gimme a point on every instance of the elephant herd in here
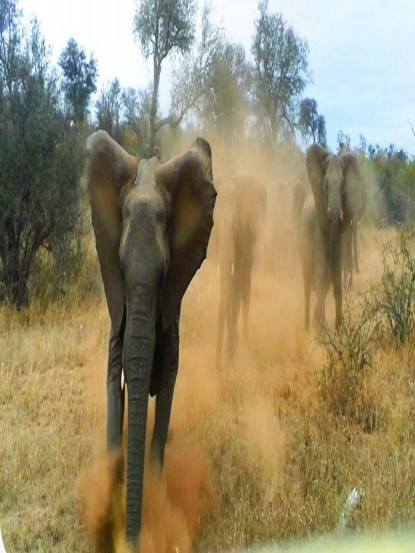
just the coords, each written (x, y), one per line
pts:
(152, 223)
(320, 231)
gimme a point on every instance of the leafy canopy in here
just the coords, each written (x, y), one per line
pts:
(281, 70)
(79, 79)
(41, 156)
(164, 25)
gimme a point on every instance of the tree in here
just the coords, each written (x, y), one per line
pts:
(281, 71)
(163, 27)
(41, 157)
(223, 101)
(362, 144)
(194, 83)
(79, 79)
(311, 124)
(343, 142)
(108, 109)
(395, 178)
(136, 116)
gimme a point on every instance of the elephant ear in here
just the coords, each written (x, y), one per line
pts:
(354, 194)
(110, 174)
(187, 180)
(316, 160)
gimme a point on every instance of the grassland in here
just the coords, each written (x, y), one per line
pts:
(255, 453)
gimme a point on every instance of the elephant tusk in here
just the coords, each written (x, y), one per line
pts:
(341, 216)
(122, 382)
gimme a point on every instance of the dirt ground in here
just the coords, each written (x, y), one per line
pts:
(254, 454)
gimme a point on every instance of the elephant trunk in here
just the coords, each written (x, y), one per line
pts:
(336, 266)
(138, 359)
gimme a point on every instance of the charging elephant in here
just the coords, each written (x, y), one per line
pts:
(338, 195)
(152, 224)
(238, 221)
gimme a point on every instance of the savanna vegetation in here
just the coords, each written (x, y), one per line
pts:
(270, 447)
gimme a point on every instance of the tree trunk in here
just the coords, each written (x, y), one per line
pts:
(15, 281)
(153, 110)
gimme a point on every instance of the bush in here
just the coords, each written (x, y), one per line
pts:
(41, 157)
(386, 313)
(393, 298)
(349, 352)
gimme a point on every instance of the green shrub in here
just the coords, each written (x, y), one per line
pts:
(385, 313)
(349, 351)
(393, 298)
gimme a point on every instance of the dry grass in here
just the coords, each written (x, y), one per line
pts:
(273, 460)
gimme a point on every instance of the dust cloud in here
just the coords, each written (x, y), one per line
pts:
(233, 413)
(173, 504)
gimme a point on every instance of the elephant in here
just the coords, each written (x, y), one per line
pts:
(152, 224)
(337, 195)
(277, 246)
(282, 244)
(238, 220)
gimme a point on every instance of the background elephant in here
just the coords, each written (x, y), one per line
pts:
(282, 222)
(338, 195)
(282, 240)
(152, 224)
(238, 222)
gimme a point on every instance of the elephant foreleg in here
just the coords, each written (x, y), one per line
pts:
(115, 395)
(307, 294)
(164, 398)
(337, 289)
(355, 225)
(322, 277)
(223, 310)
(245, 312)
(336, 270)
(346, 243)
(246, 296)
(234, 309)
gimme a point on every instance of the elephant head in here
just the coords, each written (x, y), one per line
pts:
(338, 194)
(152, 224)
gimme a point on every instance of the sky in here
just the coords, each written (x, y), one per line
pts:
(362, 54)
